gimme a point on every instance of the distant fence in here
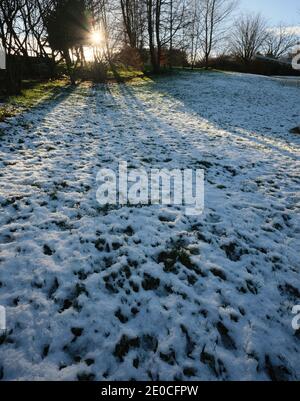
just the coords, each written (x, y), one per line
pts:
(31, 67)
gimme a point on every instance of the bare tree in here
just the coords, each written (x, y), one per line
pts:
(133, 14)
(279, 41)
(249, 36)
(10, 27)
(178, 19)
(214, 15)
(165, 19)
(23, 35)
(194, 31)
(153, 23)
(22, 28)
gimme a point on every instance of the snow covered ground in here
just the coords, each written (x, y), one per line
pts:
(149, 293)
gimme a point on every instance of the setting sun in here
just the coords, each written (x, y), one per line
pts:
(96, 45)
(96, 38)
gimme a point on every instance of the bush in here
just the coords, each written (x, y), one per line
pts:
(257, 66)
(96, 71)
(129, 57)
(99, 71)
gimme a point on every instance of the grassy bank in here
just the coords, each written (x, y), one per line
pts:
(124, 74)
(33, 93)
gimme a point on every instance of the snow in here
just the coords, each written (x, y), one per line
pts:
(148, 293)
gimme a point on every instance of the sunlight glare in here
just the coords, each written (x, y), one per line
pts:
(96, 38)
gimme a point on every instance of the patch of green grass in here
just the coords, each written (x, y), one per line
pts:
(125, 74)
(6, 112)
(196, 69)
(33, 92)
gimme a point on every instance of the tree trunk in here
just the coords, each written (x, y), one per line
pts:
(158, 40)
(206, 61)
(171, 36)
(67, 58)
(13, 76)
(153, 55)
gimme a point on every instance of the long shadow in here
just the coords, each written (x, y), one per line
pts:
(173, 139)
(242, 124)
(25, 135)
(44, 107)
(168, 141)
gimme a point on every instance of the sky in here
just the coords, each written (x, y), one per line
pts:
(275, 11)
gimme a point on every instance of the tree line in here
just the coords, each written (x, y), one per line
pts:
(144, 31)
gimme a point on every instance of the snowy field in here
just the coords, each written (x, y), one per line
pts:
(148, 293)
